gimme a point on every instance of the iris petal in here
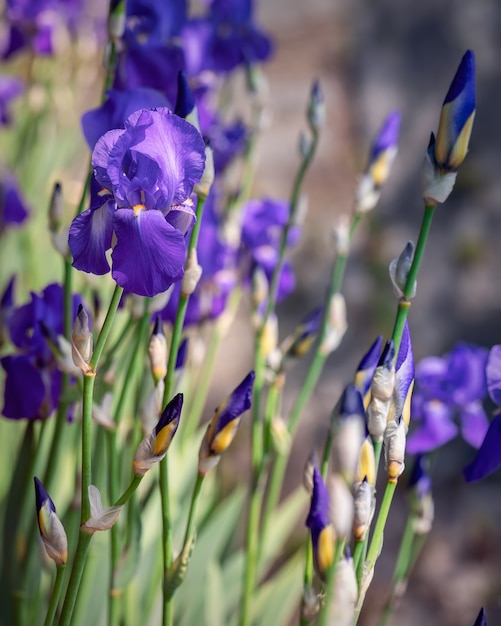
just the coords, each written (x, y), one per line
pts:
(488, 457)
(89, 237)
(435, 429)
(474, 424)
(149, 254)
(24, 388)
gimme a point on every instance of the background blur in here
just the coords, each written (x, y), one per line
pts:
(371, 58)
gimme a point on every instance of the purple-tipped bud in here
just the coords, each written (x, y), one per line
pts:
(382, 387)
(404, 378)
(181, 354)
(51, 530)
(185, 102)
(318, 521)
(421, 499)
(367, 367)
(348, 427)
(382, 156)
(399, 271)
(223, 426)
(301, 340)
(316, 108)
(481, 618)
(203, 187)
(81, 341)
(387, 356)
(154, 446)
(351, 403)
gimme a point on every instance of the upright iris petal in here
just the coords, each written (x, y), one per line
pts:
(147, 171)
(456, 117)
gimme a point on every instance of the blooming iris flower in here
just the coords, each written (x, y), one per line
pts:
(449, 387)
(319, 523)
(13, 209)
(488, 457)
(33, 384)
(263, 221)
(147, 171)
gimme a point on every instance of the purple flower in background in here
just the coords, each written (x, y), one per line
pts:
(119, 105)
(219, 276)
(449, 388)
(13, 210)
(147, 171)
(488, 457)
(32, 384)
(225, 39)
(10, 87)
(262, 224)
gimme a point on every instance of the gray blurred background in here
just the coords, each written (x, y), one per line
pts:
(372, 58)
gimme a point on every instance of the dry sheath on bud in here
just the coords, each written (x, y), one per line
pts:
(394, 449)
(81, 341)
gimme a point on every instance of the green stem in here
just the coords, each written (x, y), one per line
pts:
(56, 592)
(323, 619)
(84, 540)
(105, 330)
(307, 582)
(377, 538)
(129, 491)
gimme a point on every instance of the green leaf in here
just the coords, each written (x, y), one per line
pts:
(215, 596)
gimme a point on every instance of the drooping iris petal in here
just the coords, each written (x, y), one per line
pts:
(149, 254)
(474, 424)
(435, 428)
(488, 457)
(493, 374)
(90, 236)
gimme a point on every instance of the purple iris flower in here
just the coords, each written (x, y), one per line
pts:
(488, 457)
(262, 224)
(225, 39)
(219, 276)
(152, 54)
(147, 171)
(33, 23)
(119, 105)
(13, 209)
(33, 383)
(447, 388)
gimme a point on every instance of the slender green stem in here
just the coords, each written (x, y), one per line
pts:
(84, 540)
(105, 330)
(193, 508)
(136, 480)
(88, 392)
(377, 538)
(56, 592)
(307, 582)
(323, 619)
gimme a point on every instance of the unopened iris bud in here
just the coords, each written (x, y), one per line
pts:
(305, 145)
(157, 351)
(383, 153)
(399, 271)
(364, 507)
(404, 380)
(192, 274)
(81, 341)
(421, 499)
(366, 368)
(185, 102)
(308, 470)
(50, 526)
(382, 386)
(269, 338)
(203, 187)
(348, 429)
(394, 449)
(366, 468)
(318, 521)
(61, 349)
(341, 501)
(300, 341)
(344, 599)
(280, 436)
(56, 209)
(316, 108)
(336, 325)
(223, 426)
(116, 20)
(481, 618)
(342, 235)
(154, 446)
(446, 153)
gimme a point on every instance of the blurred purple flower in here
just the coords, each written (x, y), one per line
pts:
(447, 388)
(488, 457)
(13, 210)
(225, 38)
(262, 224)
(218, 261)
(147, 171)
(32, 385)
(10, 87)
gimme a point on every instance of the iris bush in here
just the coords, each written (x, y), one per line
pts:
(111, 325)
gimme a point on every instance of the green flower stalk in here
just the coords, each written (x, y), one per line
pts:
(51, 529)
